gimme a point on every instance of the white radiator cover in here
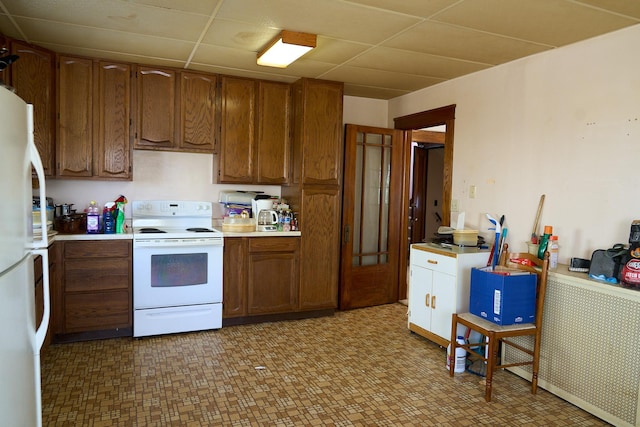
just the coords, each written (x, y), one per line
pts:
(590, 351)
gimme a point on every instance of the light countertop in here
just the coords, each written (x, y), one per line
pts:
(129, 235)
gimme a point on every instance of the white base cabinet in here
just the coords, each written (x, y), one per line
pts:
(439, 286)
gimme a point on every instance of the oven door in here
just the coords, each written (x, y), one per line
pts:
(176, 273)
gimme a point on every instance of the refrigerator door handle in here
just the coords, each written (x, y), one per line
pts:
(41, 332)
(43, 242)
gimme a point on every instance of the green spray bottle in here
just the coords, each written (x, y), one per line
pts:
(544, 241)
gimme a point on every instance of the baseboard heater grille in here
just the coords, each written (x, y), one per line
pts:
(590, 352)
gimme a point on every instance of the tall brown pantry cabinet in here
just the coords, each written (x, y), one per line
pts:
(315, 191)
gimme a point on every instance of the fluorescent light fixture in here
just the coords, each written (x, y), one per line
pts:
(286, 48)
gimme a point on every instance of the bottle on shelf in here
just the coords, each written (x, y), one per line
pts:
(108, 221)
(553, 250)
(93, 218)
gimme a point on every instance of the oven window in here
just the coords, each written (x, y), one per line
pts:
(178, 270)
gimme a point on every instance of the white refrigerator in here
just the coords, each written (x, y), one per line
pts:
(20, 342)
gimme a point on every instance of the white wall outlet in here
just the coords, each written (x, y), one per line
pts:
(454, 205)
(472, 191)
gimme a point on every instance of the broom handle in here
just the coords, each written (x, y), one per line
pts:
(534, 232)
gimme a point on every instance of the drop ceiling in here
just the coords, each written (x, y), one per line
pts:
(379, 48)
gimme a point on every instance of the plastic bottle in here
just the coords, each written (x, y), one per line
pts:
(461, 357)
(544, 241)
(108, 222)
(286, 224)
(553, 250)
(93, 218)
(280, 220)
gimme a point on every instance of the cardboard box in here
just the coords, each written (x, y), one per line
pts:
(504, 296)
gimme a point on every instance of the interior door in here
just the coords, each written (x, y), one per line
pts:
(371, 211)
(418, 197)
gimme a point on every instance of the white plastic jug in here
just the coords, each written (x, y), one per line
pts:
(461, 357)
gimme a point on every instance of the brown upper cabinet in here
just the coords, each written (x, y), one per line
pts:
(237, 132)
(175, 110)
(317, 156)
(33, 77)
(156, 108)
(273, 143)
(255, 131)
(197, 112)
(94, 106)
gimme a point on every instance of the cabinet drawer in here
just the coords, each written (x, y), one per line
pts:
(95, 311)
(97, 249)
(97, 274)
(273, 244)
(435, 262)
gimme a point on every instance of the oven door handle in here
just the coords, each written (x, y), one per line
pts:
(175, 243)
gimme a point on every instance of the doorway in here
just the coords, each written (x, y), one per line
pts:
(364, 283)
(371, 207)
(425, 183)
(445, 117)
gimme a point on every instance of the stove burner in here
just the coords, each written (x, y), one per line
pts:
(150, 230)
(200, 230)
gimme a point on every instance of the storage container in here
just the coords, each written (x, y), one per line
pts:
(465, 237)
(505, 296)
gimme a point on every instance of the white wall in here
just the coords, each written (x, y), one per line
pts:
(157, 175)
(365, 111)
(564, 123)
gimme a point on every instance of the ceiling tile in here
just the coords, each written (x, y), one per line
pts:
(410, 7)
(630, 8)
(114, 15)
(446, 40)
(402, 61)
(372, 92)
(330, 18)
(552, 22)
(335, 51)
(104, 40)
(114, 56)
(191, 6)
(381, 79)
(238, 35)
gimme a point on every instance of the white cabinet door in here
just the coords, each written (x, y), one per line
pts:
(443, 303)
(420, 296)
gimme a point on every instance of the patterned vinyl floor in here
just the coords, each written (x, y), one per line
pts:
(357, 368)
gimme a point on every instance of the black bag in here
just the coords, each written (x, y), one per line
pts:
(606, 263)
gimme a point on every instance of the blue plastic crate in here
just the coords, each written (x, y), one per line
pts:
(503, 298)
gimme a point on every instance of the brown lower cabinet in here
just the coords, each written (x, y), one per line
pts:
(262, 280)
(93, 296)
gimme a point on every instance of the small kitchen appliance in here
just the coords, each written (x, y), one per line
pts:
(177, 268)
(267, 220)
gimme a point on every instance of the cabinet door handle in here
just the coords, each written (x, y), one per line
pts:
(433, 301)
(432, 261)
(426, 300)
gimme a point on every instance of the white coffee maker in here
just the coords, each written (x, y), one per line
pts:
(259, 205)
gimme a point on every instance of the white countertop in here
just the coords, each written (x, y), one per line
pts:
(129, 235)
(262, 234)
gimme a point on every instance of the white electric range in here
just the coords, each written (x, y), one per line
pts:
(177, 267)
